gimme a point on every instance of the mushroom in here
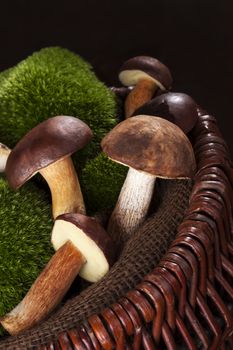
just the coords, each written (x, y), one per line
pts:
(147, 74)
(83, 247)
(151, 147)
(4, 153)
(178, 108)
(47, 149)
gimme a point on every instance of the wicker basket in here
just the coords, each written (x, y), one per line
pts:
(185, 300)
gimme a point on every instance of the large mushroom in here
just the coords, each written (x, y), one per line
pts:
(146, 74)
(83, 247)
(178, 108)
(151, 147)
(47, 149)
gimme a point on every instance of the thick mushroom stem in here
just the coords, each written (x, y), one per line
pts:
(47, 291)
(132, 205)
(142, 93)
(64, 186)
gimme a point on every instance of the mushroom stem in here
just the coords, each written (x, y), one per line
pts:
(142, 93)
(64, 186)
(4, 153)
(47, 291)
(132, 205)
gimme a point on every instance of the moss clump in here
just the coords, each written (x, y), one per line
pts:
(54, 81)
(4, 75)
(101, 180)
(25, 248)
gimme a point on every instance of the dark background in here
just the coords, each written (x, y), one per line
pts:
(193, 37)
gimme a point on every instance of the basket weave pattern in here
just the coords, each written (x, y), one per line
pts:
(185, 302)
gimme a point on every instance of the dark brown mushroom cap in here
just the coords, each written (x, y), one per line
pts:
(49, 141)
(178, 108)
(90, 238)
(152, 145)
(147, 66)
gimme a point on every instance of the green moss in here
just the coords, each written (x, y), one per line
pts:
(101, 180)
(25, 248)
(4, 75)
(54, 81)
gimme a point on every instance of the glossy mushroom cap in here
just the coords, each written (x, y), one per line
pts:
(178, 108)
(49, 141)
(140, 67)
(152, 145)
(91, 240)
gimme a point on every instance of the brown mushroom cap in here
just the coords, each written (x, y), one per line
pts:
(90, 238)
(178, 108)
(152, 145)
(140, 67)
(49, 141)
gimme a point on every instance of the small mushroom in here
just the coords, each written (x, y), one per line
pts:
(151, 147)
(147, 74)
(47, 149)
(178, 108)
(83, 247)
(4, 153)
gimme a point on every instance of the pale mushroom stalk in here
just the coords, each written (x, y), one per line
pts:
(4, 153)
(132, 204)
(82, 247)
(47, 291)
(64, 186)
(142, 93)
